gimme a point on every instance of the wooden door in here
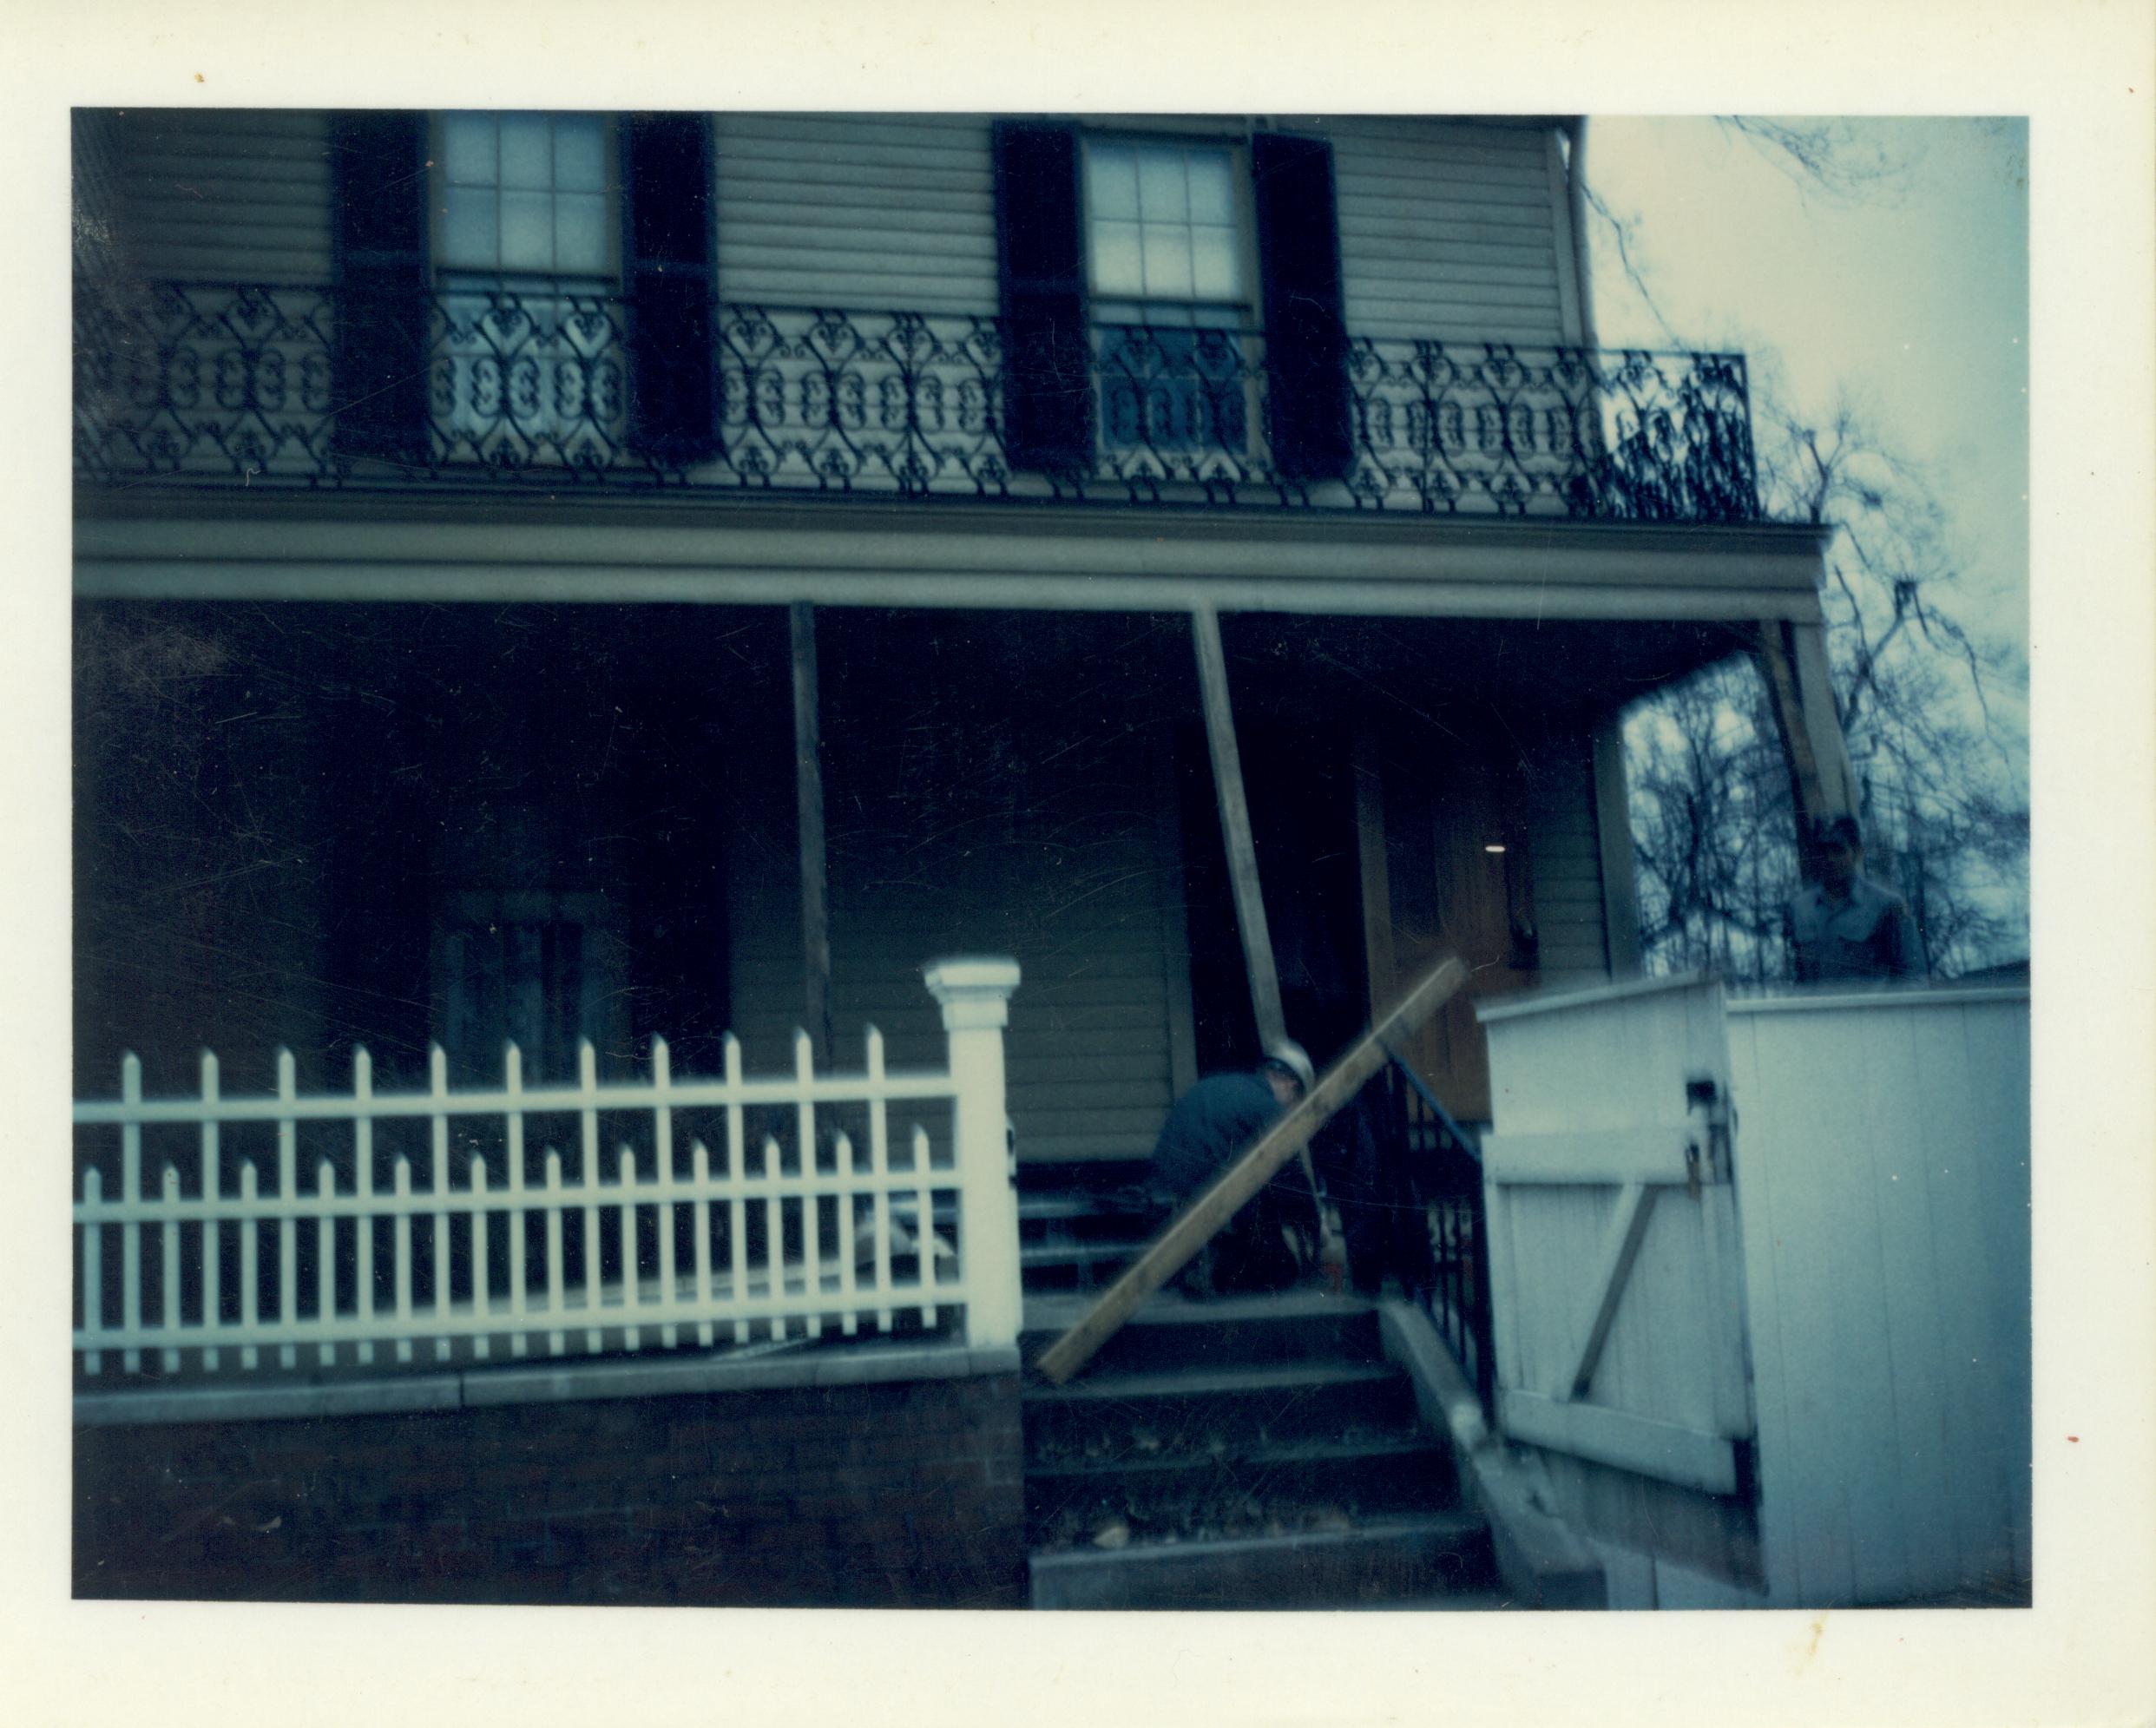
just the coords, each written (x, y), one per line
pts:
(1617, 1276)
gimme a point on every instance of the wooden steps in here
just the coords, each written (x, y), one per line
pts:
(1252, 1452)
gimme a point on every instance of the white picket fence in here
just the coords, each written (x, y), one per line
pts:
(803, 1213)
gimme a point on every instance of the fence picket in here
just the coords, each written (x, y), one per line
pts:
(213, 1246)
(250, 1263)
(287, 1190)
(662, 1140)
(869, 1204)
(325, 1257)
(699, 1172)
(632, 1295)
(437, 1085)
(812, 1160)
(131, 1190)
(737, 1208)
(402, 1241)
(925, 1227)
(849, 1322)
(480, 1306)
(879, 1171)
(775, 1236)
(169, 1314)
(520, 1270)
(362, 1186)
(93, 1270)
(587, 1123)
(557, 1341)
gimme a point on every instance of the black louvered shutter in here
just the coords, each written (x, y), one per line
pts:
(1309, 409)
(378, 351)
(1048, 384)
(670, 237)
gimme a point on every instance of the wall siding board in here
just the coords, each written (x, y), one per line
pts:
(239, 195)
(776, 178)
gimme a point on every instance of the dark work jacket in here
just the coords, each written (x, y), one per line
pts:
(1211, 1125)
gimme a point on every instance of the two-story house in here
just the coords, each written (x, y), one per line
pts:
(545, 576)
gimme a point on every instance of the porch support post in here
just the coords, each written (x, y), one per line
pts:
(975, 996)
(1379, 961)
(1613, 830)
(1800, 689)
(808, 785)
(1242, 854)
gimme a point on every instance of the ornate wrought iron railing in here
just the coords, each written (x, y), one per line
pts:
(209, 383)
(1443, 1180)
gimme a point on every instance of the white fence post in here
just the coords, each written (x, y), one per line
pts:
(975, 995)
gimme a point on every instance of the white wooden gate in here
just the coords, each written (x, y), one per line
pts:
(1617, 1275)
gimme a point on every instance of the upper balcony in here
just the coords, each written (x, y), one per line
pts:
(208, 386)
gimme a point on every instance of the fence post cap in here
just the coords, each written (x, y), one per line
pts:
(974, 990)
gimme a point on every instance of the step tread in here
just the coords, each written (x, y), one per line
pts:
(1188, 1383)
(1052, 1314)
(1269, 1455)
(1446, 1524)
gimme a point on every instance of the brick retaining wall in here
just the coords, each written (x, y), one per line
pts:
(895, 1493)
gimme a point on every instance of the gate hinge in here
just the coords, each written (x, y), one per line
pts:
(1707, 1152)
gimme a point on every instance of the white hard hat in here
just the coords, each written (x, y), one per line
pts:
(1285, 1053)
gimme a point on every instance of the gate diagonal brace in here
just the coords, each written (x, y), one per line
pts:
(1202, 1219)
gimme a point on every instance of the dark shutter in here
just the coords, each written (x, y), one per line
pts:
(1048, 384)
(1309, 409)
(378, 353)
(668, 253)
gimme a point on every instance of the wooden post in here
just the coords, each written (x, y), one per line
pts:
(975, 997)
(1792, 660)
(1199, 1222)
(808, 784)
(1242, 854)
(1380, 964)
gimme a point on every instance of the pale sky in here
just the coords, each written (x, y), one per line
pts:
(1912, 302)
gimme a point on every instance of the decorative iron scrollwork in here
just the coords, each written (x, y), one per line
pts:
(199, 383)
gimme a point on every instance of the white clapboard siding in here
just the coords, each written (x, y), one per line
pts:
(1448, 230)
(1566, 853)
(856, 211)
(234, 194)
(1883, 1183)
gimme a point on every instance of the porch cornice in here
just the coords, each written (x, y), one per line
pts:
(985, 556)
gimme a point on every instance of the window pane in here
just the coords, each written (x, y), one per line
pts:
(1112, 180)
(468, 149)
(580, 235)
(579, 155)
(527, 231)
(468, 228)
(1167, 261)
(1115, 260)
(1115, 266)
(1160, 193)
(527, 152)
(1212, 188)
(1212, 263)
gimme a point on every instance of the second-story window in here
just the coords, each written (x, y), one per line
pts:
(527, 265)
(1170, 291)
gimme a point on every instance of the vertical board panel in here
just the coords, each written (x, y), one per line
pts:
(1883, 1172)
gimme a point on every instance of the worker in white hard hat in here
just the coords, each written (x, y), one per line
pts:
(1268, 1244)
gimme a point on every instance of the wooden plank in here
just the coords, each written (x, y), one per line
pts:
(808, 781)
(1242, 854)
(1201, 1221)
(1687, 1457)
(1653, 1154)
(1635, 1207)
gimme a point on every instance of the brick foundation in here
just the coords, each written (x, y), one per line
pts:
(899, 1494)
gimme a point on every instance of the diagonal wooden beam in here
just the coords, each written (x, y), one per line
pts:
(1199, 1222)
(1621, 1247)
(1242, 852)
